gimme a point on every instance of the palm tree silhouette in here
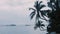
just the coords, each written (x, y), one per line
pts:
(37, 12)
(54, 16)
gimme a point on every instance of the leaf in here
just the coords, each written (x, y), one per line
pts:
(43, 14)
(42, 25)
(42, 29)
(32, 9)
(41, 6)
(40, 2)
(38, 24)
(36, 5)
(32, 14)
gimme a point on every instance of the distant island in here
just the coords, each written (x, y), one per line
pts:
(27, 25)
(11, 25)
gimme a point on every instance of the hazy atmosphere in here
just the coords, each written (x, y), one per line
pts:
(29, 16)
(16, 11)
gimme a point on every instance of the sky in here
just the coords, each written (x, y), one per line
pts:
(16, 11)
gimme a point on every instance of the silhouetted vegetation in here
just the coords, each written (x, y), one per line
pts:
(37, 12)
(54, 15)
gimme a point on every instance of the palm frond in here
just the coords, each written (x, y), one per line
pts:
(32, 9)
(42, 25)
(50, 4)
(36, 5)
(42, 29)
(38, 24)
(32, 14)
(40, 2)
(43, 14)
(42, 6)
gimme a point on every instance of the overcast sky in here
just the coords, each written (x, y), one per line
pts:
(16, 11)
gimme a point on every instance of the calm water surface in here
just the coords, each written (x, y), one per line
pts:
(19, 30)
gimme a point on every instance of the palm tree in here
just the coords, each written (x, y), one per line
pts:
(54, 15)
(37, 12)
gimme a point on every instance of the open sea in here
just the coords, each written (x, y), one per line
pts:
(20, 30)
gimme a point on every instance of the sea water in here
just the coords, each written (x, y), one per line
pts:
(19, 30)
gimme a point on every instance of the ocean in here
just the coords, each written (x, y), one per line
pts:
(20, 29)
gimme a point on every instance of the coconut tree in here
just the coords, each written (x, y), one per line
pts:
(54, 16)
(37, 12)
